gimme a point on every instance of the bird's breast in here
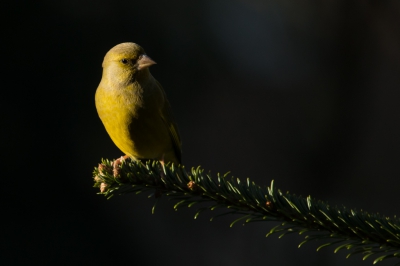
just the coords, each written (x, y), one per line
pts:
(131, 116)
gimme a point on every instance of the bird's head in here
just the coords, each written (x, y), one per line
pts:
(126, 62)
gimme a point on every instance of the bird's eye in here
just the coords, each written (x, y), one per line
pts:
(124, 61)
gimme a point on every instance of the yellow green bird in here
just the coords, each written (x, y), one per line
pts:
(134, 108)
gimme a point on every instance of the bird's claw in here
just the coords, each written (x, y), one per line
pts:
(116, 170)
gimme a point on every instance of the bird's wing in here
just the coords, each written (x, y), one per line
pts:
(169, 121)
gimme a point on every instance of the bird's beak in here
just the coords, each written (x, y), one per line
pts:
(144, 62)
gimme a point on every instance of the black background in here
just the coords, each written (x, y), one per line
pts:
(305, 93)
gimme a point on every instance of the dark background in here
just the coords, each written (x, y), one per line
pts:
(302, 92)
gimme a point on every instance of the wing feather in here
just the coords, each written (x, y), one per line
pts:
(168, 118)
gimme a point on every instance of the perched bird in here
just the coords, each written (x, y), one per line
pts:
(134, 108)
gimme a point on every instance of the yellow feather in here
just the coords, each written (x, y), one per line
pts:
(133, 106)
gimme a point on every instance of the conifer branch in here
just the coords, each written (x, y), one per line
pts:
(356, 231)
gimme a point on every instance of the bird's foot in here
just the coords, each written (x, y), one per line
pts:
(115, 171)
(162, 162)
(102, 170)
(116, 165)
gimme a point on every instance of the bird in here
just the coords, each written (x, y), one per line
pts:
(134, 108)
